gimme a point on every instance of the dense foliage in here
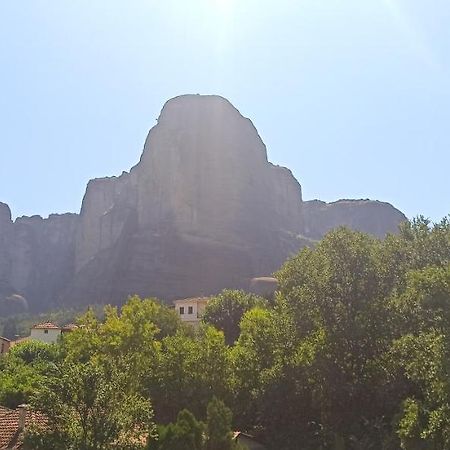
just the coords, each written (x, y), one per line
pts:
(353, 353)
(225, 311)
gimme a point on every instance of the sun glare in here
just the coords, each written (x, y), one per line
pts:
(223, 6)
(221, 15)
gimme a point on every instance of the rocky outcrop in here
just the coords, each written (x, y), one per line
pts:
(36, 257)
(374, 217)
(264, 287)
(203, 210)
(6, 231)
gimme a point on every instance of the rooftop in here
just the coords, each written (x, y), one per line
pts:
(192, 300)
(10, 433)
(45, 325)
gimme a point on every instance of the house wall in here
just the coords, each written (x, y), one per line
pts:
(201, 309)
(39, 334)
(4, 345)
(198, 309)
(186, 316)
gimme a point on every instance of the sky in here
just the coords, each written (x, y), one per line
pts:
(353, 96)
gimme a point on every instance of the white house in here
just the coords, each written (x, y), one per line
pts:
(45, 332)
(191, 310)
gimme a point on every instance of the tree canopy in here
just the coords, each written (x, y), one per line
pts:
(352, 353)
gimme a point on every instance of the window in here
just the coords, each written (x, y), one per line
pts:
(190, 310)
(181, 310)
(45, 331)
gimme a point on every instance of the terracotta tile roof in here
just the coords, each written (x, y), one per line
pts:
(10, 434)
(48, 325)
(191, 300)
(69, 327)
(4, 411)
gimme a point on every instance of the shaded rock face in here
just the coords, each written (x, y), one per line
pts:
(203, 210)
(6, 232)
(264, 287)
(36, 256)
(374, 217)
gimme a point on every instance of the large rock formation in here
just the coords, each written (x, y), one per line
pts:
(374, 217)
(201, 211)
(36, 257)
(6, 231)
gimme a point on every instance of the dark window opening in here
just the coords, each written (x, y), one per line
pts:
(190, 310)
(181, 310)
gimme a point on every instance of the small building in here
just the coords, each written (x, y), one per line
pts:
(45, 332)
(4, 345)
(191, 310)
(68, 328)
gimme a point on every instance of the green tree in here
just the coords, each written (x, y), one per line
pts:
(418, 245)
(35, 352)
(188, 372)
(135, 330)
(226, 310)
(336, 290)
(424, 418)
(186, 434)
(90, 406)
(23, 369)
(272, 380)
(218, 425)
(424, 304)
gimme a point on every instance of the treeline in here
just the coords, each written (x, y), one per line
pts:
(352, 353)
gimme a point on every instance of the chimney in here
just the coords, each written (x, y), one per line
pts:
(22, 415)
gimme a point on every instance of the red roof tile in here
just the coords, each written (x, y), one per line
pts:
(69, 327)
(10, 434)
(47, 325)
(192, 300)
(4, 411)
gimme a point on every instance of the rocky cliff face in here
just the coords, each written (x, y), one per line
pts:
(36, 256)
(374, 217)
(201, 211)
(6, 230)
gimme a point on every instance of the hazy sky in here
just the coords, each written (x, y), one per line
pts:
(352, 95)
